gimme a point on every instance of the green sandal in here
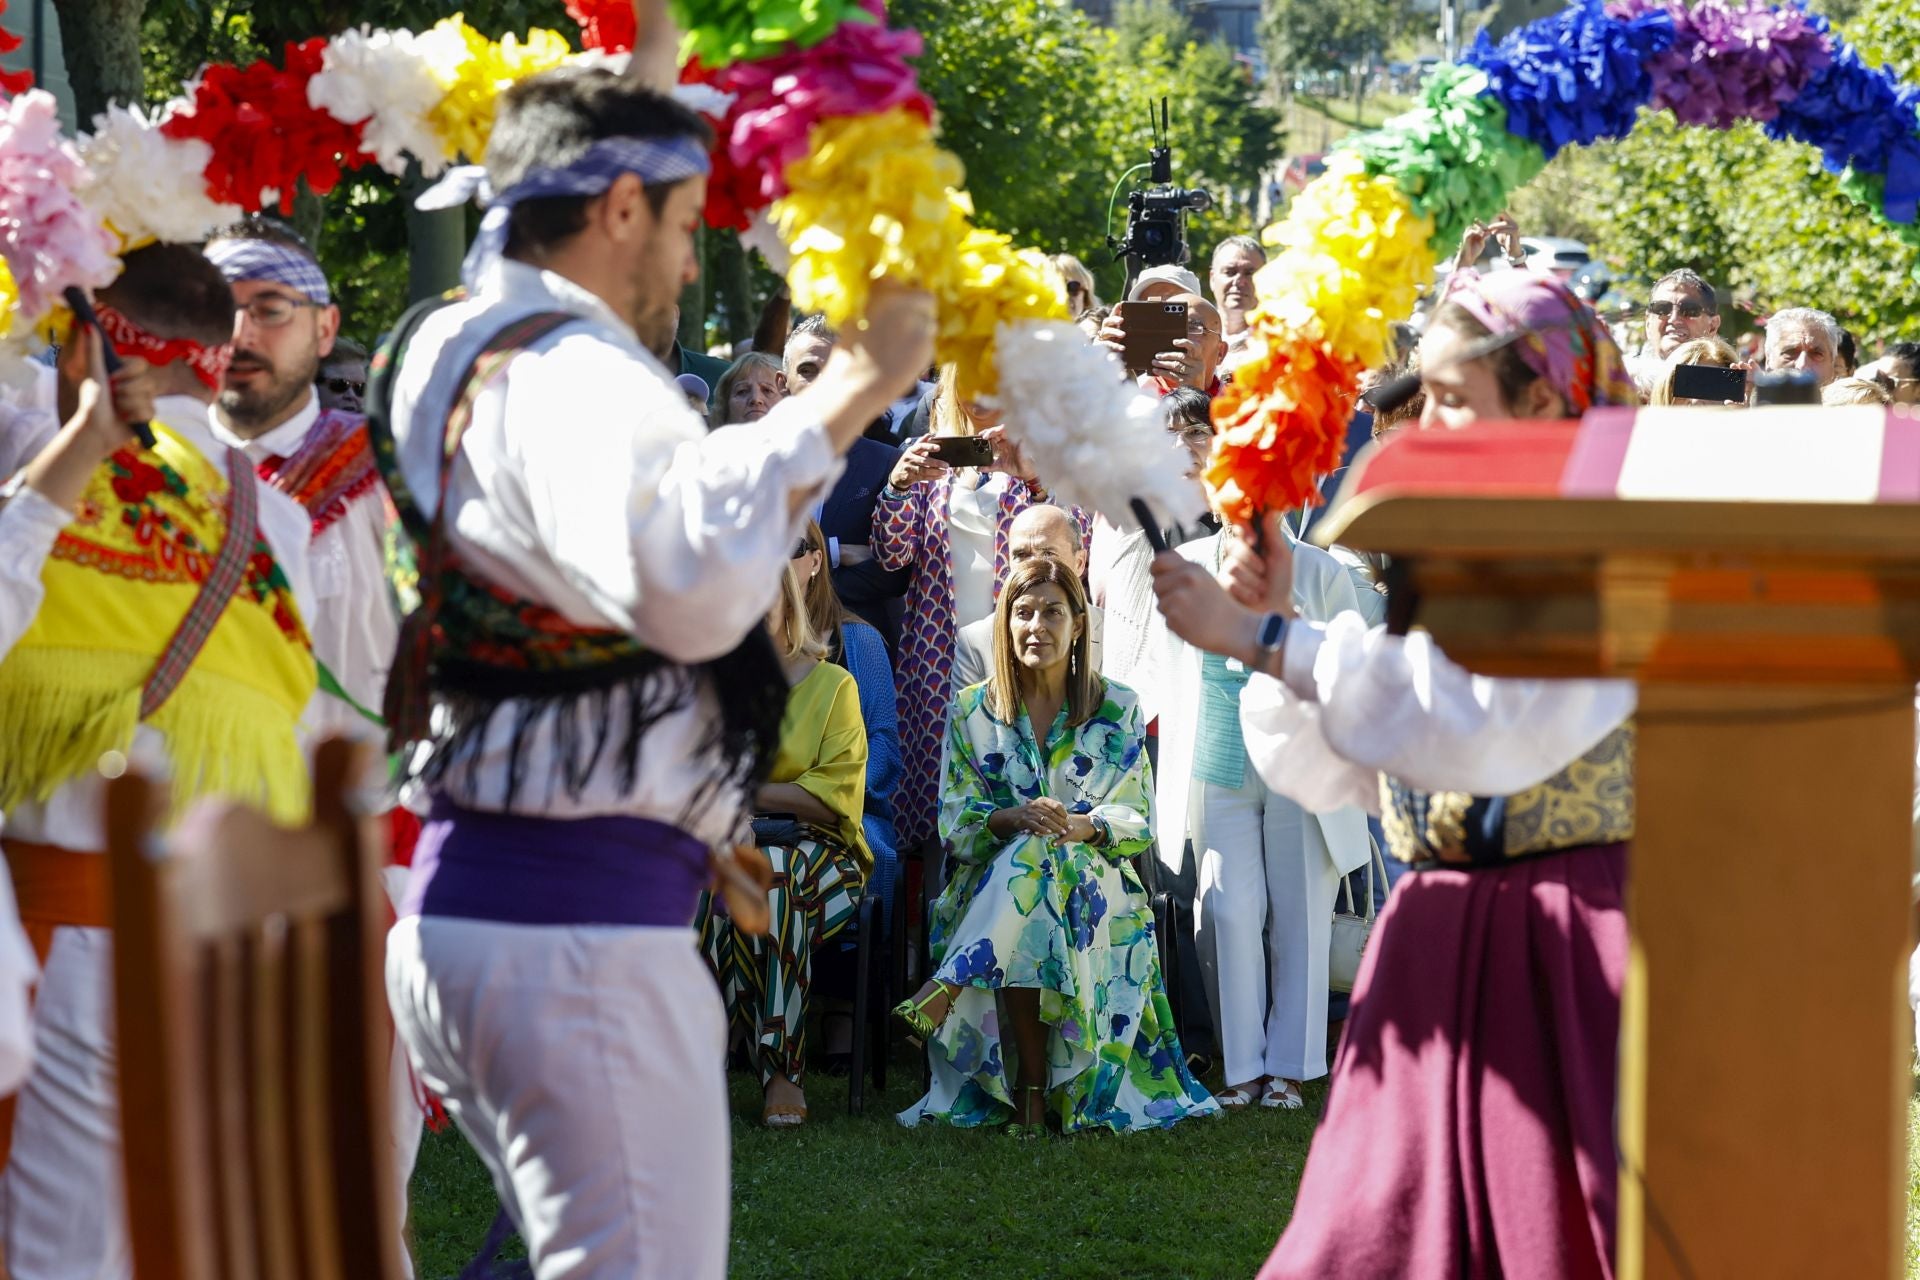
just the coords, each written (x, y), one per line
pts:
(913, 1013)
(1021, 1130)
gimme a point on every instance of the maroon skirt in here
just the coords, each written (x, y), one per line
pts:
(1469, 1122)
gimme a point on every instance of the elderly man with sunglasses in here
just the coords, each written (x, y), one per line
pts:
(1684, 307)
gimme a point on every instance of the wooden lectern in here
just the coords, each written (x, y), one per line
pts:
(1758, 573)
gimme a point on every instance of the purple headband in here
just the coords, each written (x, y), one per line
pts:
(243, 260)
(653, 160)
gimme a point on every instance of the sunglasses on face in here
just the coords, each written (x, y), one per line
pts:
(340, 386)
(1075, 288)
(1688, 310)
(802, 549)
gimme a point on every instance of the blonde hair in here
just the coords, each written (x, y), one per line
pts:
(948, 418)
(723, 392)
(1716, 352)
(824, 610)
(1074, 271)
(796, 637)
(1842, 391)
(1085, 690)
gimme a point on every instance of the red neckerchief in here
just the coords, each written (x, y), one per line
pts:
(209, 364)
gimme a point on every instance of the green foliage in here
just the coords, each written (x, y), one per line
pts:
(1761, 216)
(1332, 35)
(1048, 110)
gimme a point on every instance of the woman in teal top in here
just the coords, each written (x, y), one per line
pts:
(1044, 928)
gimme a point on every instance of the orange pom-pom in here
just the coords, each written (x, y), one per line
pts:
(1280, 425)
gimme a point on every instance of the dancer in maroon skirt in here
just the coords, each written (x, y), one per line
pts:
(1469, 1124)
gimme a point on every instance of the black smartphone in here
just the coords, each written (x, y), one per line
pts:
(963, 451)
(1709, 382)
(1786, 386)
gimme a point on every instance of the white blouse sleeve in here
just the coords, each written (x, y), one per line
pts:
(29, 525)
(1397, 705)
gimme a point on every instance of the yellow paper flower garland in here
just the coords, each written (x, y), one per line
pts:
(874, 197)
(474, 71)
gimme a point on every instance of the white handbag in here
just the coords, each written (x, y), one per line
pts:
(1350, 929)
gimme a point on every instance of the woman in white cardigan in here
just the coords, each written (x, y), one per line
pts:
(1268, 871)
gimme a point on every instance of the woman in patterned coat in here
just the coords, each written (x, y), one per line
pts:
(950, 525)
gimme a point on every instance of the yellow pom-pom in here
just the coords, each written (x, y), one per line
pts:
(1353, 255)
(474, 71)
(873, 197)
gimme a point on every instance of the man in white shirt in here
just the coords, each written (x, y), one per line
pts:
(1041, 530)
(1236, 260)
(147, 537)
(598, 691)
(285, 325)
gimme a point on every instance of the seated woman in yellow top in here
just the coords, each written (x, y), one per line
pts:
(807, 820)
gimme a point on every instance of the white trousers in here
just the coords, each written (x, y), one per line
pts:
(584, 1064)
(63, 1209)
(1263, 927)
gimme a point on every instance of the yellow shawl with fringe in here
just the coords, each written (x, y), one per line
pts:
(121, 577)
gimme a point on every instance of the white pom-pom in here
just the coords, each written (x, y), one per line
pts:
(1094, 438)
(763, 236)
(703, 98)
(150, 186)
(386, 79)
(600, 59)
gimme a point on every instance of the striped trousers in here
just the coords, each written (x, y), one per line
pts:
(816, 889)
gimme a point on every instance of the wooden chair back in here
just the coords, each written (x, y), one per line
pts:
(253, 1038)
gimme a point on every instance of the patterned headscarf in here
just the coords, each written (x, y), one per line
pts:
(1565, 341)
(242, 260)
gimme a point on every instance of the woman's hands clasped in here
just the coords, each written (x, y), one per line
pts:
(1042, 816)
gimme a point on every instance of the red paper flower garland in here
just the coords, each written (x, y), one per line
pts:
(264, 133)
(12, 81)
(607, 25)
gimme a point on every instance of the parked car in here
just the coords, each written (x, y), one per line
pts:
(1301, 170)
(1555, 255)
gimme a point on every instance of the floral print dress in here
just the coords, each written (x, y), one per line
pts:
(1069, 919)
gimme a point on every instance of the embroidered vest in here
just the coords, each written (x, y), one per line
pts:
(120, 579)
(470, 647)
(333, 466)
(1589, 802)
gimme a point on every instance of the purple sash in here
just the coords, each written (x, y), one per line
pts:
(554, 871)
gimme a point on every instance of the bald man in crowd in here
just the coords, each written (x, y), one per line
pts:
(1042, 530)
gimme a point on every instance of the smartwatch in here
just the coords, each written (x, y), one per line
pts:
(1273, 630)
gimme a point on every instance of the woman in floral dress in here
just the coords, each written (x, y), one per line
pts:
(1044, 928)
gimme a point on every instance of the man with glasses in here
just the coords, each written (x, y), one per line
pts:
(1684, 307)
(285, 327)
(1235, 261)
(1898, 372)
(343, 377)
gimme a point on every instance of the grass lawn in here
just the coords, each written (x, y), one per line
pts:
(867, 1198)
(1206, 1199)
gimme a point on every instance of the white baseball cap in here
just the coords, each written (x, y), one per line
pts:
(1156, 280)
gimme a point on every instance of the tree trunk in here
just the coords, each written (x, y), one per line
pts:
(102, 42)
(693, 299)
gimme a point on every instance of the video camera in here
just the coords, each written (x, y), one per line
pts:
(1157, 215)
